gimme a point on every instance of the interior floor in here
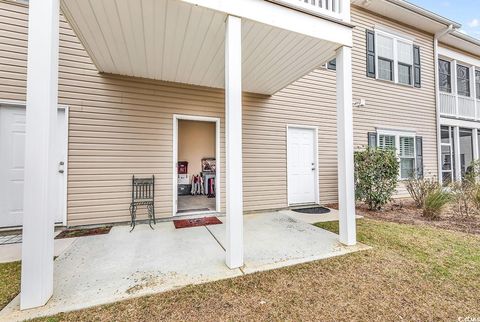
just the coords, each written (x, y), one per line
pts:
(195, 203)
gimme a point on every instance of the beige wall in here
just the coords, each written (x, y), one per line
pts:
(121, 126)
(395, 106)
(196, 140)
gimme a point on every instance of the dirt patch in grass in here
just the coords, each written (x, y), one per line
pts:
(405, 212)
(9, 282)
(71, 233)
(413, 273)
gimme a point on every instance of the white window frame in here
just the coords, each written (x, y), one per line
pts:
(398, 135)
(396, 39)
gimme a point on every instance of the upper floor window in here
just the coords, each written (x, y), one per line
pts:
(477, 83)
(392, 58)
(463, 80)
(445, 75)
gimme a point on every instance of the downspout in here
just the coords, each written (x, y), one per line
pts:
(437, 36)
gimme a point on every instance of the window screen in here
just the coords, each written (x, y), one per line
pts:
(463, 80)
(445, 76)
(385, 69)
(404, 74)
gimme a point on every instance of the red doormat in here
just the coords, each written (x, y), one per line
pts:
(185, 223)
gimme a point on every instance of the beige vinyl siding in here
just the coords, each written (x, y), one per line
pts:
(119, 126)
(394, 106)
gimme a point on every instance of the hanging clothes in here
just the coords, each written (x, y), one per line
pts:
(197, 185)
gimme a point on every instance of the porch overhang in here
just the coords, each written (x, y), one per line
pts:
(184, 41)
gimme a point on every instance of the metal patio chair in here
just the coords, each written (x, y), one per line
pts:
(143, 194)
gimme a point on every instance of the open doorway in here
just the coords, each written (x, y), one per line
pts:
(196, 165)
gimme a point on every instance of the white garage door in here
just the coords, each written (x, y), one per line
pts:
(12, 158)
(301, 160)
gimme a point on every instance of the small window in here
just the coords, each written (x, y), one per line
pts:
(445, 76)
(405, 150)
(477, 83)
(395, 59)
(463, 80)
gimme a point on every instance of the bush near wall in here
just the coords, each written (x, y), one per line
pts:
(376, 176)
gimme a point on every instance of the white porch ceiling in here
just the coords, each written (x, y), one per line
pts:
(175, 41)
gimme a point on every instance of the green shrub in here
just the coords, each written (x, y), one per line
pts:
(420, 188)
(376, 176)
(435, 202)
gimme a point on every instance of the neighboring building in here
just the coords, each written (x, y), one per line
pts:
(459, 103)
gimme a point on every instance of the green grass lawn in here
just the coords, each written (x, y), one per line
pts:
(412, 273)
(9, 282)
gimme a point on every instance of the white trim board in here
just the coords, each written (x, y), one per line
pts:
(22, 104)
(216, 120)
(459, 123)
(316, 149)
(449, 54)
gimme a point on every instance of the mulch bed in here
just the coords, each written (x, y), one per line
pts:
(186, 223)
(405, 212)
(71, 233)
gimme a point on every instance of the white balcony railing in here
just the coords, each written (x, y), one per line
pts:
(466, 107)
(448, 104)
(331, 8)
(459, 106)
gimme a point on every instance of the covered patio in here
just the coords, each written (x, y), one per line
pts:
(120, 265)
(240, 46)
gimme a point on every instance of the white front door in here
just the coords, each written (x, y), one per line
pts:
(12, 158)
(301, 160)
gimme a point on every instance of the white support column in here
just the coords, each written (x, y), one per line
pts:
(456, 143)
(233, 133)
(39, 186)
(476, 151)
(454, 84)
(346, 188)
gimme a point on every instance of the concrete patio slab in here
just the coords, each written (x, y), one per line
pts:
(314, 218)
(277, 240)
(13, 252)
(107, 268)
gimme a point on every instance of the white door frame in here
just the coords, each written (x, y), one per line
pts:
(23, 104)
(216, 120)
(315, 147)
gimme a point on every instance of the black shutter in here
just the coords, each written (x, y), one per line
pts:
(370, 54)
(417, 74)
(419, 147)
(372, 139)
